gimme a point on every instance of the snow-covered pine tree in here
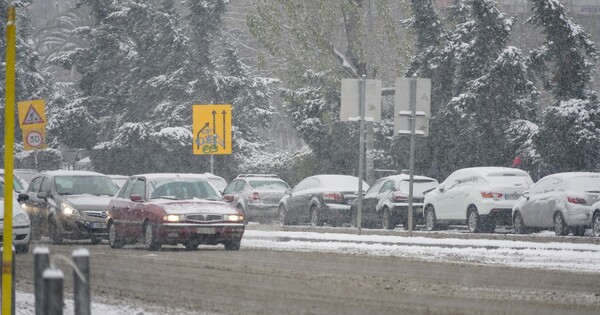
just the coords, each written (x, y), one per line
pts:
(568, 138)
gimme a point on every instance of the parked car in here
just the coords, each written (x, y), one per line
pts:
(19, 185)
(68, 205)
(219, 182)
(118, 179)
(320, 199)
(256, 195)
(561, 201)
(595, 214)
(480, 197)
(158, 209)
(25, 174)
(20, 221)
(385, 204)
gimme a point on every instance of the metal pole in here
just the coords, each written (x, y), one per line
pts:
(413, 117)
(361, 153)
(35, 159)
(53, 287)
(13, 279)
(212, 163)
(9, 139)
(41, 261)
(81, 287)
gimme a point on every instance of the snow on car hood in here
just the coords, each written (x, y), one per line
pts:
(194, 206)
(88, 202)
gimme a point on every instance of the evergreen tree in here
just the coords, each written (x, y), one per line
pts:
(567, 139)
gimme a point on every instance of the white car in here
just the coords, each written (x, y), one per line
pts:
(21, 224)
(595, 214)
(561, 201)
(480, 197)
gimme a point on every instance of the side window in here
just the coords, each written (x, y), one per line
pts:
(126, 188)
(230, 187)
(45, 185)
(388, 186)
(138, 188)
(35, 185)
(300, 186)
(240, 186)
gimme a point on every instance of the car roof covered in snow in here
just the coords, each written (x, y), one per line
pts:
(568, 175)
(401, 177)
(71, 173)
(493, 170)
(172, 175)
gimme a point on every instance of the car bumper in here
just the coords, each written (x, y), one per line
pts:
(21, 234)
(204, 233)
(578, 215)
(81, 228)
(336, 213)
(262, 211)
(401, 210)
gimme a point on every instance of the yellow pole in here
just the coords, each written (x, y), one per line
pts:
(9, 139)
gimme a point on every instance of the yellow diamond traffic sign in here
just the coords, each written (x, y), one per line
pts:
(211, 125)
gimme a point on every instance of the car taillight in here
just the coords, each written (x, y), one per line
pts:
(228, 198)
(254, 196)
(400, 197)
(335, 197)
(576, 200)
(487, 194)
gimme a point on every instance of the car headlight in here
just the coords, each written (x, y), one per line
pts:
(174, 218)
(21, 219)
(234, 217)
(69, 210)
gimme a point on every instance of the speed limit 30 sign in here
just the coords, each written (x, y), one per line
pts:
(35, 138)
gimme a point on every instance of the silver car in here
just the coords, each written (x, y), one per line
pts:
(560, 201)
(256, 195)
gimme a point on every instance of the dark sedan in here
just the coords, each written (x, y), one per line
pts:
(320, 199)
(68, 205)
(171, 209)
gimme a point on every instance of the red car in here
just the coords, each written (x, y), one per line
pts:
(158, 209)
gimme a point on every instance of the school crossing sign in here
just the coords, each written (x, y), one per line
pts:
(32, 120)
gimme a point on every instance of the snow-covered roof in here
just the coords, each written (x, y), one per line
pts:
(492, 170)
(72, 173)
(568, 175)
(172, 175)
(400, 177)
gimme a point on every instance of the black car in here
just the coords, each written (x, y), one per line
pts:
(68, 205)
(320, 199)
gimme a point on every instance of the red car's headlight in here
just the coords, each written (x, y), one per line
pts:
(174, 218)
(233, 218)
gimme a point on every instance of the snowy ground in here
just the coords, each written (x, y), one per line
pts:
(448, 248)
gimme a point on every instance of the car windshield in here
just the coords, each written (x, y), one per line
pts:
(84, 185)
(182, 188)
(268, 185)
(583, 183)
(419, 185)
(17, 186)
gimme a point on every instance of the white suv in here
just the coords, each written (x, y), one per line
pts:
(480, 197)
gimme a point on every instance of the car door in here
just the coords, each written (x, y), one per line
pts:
(371, 197)
(529, 210)
(31, 206)
(445, 200)
(546, 203)
(119, 208)
(464, 193)
(135, 209)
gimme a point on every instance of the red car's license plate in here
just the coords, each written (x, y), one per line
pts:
(205, 230)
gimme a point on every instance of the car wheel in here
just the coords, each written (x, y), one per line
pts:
(233, 245)
(54, 233)
(113, 241)
(314, 216)
(579, 231)
(283, 218)
(149, 238)
(596, 224)
(518, 224)
(96, 240)
(430, 219)
(386, 219)
(474, 221)
(22, 249)
(191, 244)
(560, 227)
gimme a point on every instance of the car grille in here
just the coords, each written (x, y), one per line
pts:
(96, 214)
(204, 217)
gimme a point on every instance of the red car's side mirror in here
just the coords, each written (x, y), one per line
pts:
(136, 198)
(228, 198)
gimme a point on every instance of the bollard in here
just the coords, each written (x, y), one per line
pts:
(53, 291)
(81, 281)
(41, 261)
(12, 310)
